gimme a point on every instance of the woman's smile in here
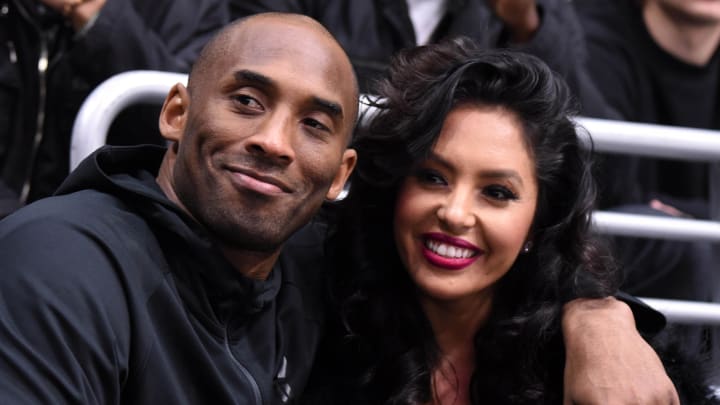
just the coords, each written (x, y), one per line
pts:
(448, 252)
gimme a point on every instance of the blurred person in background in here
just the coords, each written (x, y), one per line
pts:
(53, 53)
(372, 31)
(657, 61)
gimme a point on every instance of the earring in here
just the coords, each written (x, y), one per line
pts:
(526, 248)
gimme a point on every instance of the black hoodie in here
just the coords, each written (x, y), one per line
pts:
(111, 294)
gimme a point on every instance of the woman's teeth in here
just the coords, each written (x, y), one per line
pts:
(450, 251)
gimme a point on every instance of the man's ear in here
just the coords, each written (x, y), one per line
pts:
(349, 160)
(173, 115)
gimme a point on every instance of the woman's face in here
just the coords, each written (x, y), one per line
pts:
(463, 215)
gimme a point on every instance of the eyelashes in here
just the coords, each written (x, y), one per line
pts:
(247, 103)
(429, 177)
(494, 191)
(251, 105)
(315, 124)
(500, 193)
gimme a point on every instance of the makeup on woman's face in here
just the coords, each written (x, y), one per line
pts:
(463, 215)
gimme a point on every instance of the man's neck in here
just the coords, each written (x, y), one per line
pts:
(251, 264)
(689, 40)
(255, 265)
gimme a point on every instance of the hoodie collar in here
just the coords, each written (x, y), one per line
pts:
(207, 281)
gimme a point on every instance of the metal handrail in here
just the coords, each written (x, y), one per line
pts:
(124, 89)
(116, 93)
(655, 227)
(686, 312)
(108, 99)
(660, 141)
(112, 96)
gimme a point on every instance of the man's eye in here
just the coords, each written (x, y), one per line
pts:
(500, 193)
(313, 123)
(247, 101)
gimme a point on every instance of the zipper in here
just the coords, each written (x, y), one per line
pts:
(43, 63)
(42, 66)
(245, 372)
(11, 51)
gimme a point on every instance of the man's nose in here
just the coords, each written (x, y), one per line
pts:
(273, 140)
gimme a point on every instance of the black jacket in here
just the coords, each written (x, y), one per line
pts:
(39, 101)
(645, 83)
(110, 294)
(371, 31)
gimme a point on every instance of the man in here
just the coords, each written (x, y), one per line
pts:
(156, 276)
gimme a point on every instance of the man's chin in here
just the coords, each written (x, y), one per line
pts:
(256, 237)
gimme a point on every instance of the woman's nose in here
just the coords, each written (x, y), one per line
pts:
(457, 212)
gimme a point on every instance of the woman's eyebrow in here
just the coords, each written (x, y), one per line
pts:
(486, 174)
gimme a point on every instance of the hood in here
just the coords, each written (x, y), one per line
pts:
(128, 173)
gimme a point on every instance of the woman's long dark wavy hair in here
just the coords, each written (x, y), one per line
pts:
(382, 349)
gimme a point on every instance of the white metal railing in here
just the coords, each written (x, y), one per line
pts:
(689, 312)
(107, 100)
(678, 143)
(649, 226)
(112, 96)
(124, 89)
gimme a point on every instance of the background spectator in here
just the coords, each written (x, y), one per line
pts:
(657, 61)
(372, 31)
(54, 52)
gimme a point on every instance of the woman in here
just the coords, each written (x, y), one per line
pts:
(476, 163)
(475, 196)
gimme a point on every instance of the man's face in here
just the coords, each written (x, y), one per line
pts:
(265, 137)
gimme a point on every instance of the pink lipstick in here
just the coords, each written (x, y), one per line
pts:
(447, 252)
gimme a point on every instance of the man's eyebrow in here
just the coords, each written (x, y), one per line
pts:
(330, 107)
(245, 75)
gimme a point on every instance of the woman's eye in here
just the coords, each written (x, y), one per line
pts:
(427, 176)
(500, 193)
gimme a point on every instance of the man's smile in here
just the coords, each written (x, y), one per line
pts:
(259, 183)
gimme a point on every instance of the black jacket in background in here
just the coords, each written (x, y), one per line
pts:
(110, 294)
(644, 83)
(128, 34)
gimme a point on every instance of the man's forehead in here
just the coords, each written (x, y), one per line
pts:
(293, 51)
(271, 38)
